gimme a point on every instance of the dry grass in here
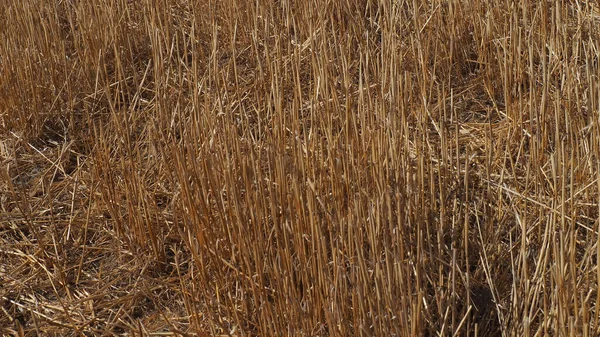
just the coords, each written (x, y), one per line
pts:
(299, 168)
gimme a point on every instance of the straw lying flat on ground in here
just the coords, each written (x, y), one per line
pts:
(301, 168)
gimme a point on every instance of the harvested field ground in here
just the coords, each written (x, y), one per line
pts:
(299, 168)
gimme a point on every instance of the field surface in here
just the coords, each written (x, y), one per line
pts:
(299, 168)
